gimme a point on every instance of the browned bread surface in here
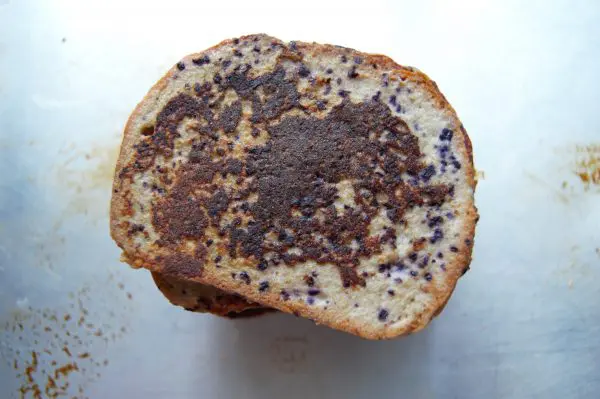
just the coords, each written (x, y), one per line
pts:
(314, 179)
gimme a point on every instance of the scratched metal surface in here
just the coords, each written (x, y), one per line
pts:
(523, 323)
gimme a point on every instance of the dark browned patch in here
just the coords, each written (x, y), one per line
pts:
(230, 117)
(182, 265)
(349, 277)
(294, 174)
(180, 217)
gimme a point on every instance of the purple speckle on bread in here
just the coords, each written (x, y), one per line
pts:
(262, 265)
(245, 278)
(385, 80)
(435, 221)
(383, 267)
(303, 71)
(446, 134)
(428, 173)
(437, 236)
(383, 314)
(201, 60)
(263, 286)
(352, 74)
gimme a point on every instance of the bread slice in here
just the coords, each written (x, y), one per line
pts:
(314, 179)
(203, 298)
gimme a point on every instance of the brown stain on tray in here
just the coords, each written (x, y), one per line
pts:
(80, 184)
(84, 177)
(587, 165)
(580, 161)
(53, 352)
(562, 197)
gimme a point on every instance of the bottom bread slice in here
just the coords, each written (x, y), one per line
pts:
(203, 298)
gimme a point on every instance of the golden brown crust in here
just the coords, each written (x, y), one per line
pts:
(455, 268)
